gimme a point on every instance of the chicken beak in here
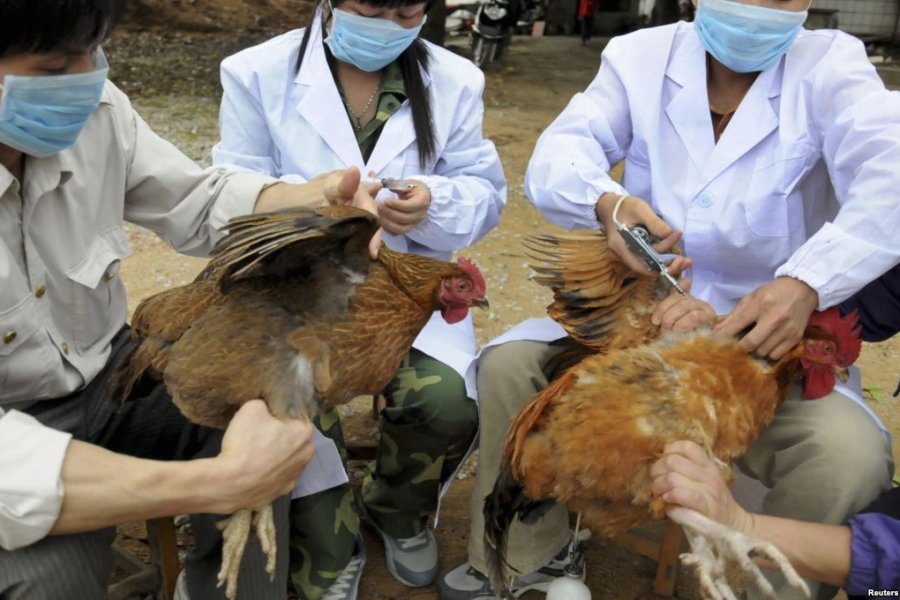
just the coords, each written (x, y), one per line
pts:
(842, 373)
(481, 303)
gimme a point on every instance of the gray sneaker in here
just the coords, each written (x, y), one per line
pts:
(346, 586)
(466, 583)
(412, 561)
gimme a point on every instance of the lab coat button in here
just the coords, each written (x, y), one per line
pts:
(9, 336)
(704, 201)
(65, 348)
(40, 290)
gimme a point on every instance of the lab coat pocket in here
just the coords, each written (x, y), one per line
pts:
(98, 286)
(772, 207)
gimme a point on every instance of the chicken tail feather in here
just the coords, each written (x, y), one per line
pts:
(506, 502)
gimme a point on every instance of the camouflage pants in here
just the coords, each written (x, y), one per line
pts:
(425, 430)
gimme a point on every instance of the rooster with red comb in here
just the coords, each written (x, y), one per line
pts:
(590, 438)
(292, 310)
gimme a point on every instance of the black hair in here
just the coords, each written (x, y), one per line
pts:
(28, 26)
(412, 62)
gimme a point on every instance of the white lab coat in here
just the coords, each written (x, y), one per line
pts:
(804, 181)
(293, 125)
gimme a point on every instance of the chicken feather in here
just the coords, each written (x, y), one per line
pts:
(290, 310)
(590, 437)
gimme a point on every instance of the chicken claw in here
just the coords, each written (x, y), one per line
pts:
(235, 531)
(265, 531)
(713, 545)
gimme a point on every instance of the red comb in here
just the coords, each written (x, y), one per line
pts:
(472, 269)
(845, 331)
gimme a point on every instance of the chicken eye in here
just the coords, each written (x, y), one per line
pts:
(827, 349)
(462, 286)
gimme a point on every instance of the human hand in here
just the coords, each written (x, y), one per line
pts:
(635, 211)
(780, 310)
(683, 313)
(411, 206)
(345, 187)
(261, 456)
(685, 476)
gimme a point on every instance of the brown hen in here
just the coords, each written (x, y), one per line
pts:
(590, 438)
(290, 310)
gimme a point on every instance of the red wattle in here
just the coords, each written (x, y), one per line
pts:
(817, 383)
(454, 314)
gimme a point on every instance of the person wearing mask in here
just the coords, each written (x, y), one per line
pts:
(358, 87)
(770, 153)
(76, 162)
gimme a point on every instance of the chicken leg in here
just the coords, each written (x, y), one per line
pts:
(235, 533)
(713, 546)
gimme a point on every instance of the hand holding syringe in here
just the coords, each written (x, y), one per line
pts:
(410, 206)
(393, 184)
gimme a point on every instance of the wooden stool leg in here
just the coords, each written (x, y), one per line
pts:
(164, 552)
(667, 563)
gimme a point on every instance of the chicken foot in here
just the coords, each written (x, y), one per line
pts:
(713, 546)
(235, 533)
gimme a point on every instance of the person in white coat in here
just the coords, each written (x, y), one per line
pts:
(357, 87)
(76, 162)
(772, 153)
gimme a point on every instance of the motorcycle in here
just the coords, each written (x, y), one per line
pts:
(492, 30)
(460, 18)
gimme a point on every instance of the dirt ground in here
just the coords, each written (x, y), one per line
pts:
(171, 76)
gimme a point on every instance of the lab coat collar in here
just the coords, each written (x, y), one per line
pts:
(320, 103)
(317, 107)
(688, 111)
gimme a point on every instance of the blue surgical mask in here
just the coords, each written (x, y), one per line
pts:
(746, 38)
(44, 115)
(366, 42)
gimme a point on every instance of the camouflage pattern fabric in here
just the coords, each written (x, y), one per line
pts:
(425, 430)
(390, 98)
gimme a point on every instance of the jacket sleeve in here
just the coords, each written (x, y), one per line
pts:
(874, 554)
(31, 488)
(878, 305)
(468, 188)
(569, 169)
(245, 140)
(169, 194)
(859, 124)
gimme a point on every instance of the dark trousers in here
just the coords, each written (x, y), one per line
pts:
(587, 28)
(148, 426)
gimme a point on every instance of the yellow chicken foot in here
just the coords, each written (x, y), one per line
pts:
(265, 531)
(713, 546)
(235, 531)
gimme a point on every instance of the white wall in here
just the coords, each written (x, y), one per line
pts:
(863, 16)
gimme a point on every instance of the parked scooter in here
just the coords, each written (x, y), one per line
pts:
(492, 30)
(460, 17)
